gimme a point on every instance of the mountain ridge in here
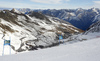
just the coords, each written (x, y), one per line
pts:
(28, 32)
(80, 18)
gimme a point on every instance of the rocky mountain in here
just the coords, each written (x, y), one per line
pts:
(95, 27)
(24, 10)
(32, 31)
(80, 18)
(93, 32)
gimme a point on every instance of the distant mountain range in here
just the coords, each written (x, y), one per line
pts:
(80, 18)
(5, 8)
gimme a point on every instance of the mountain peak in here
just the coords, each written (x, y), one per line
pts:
(15, 10)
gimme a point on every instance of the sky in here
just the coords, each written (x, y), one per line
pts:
(50, 4)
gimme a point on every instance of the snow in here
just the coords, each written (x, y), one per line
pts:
(43, 24)
(72, 14)
(97, 17)
(3, 11)
(88, 36)
(95, 10)
(6, 47)
(8, 50)
(15, 37)
(46, 37)
(21, 18)
(80, 51)
(15, 10)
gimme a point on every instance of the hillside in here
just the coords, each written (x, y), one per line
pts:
(92, 32)
(95, 27)
(29, 32)
(36, 31)
(82, 51)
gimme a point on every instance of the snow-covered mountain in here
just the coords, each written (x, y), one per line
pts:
(24, 10)
(95, 27)
(31, 31)
(91, 33)
(80, 18)
(36, 30)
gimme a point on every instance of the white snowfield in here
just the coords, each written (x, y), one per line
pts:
(81, 51)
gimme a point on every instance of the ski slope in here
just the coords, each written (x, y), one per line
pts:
(81, 51)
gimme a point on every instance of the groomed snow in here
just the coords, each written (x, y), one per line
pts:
(81, 51)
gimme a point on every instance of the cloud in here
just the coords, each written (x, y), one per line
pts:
(15, 5)
(67, 0)
(96, 4)
(49, 1)
(50, 4)
(24, 5)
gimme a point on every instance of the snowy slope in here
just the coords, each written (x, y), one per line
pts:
(81, 51)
